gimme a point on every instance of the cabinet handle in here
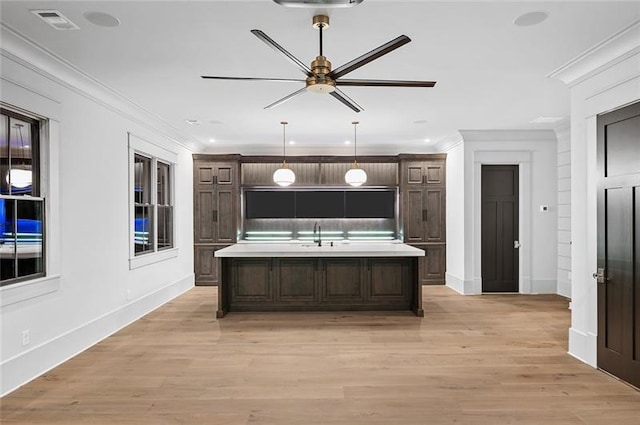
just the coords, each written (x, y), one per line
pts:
(424, 215)
(215, 216)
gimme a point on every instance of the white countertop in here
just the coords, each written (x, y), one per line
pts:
(309, 249)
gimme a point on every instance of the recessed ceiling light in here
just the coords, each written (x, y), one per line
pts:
(212, 140)
(292, 142)
(193, 122)
(546, 120)
(347, 142)
(102, 19)
(419, 122)
(427, 140)
(531, 18)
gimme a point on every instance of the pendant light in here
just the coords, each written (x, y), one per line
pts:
(19, 178)
(284, 176)
(355, 176)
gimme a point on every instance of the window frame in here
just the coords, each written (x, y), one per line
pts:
(157, 154)
(38, 189)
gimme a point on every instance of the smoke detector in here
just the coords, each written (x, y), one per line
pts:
(318, 3)
(55, 19)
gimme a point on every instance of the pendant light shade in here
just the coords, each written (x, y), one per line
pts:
(284, 176)
(356, 176)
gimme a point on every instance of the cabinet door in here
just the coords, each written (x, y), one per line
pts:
(434, 215)
(434, 265)
(224, 215)
(434, 172)
(206, 266)
(296, 282)
(413, 173)
(251, 280)
(203, 203)
(225, 174)
(389, 280)
(342, 280)
(414, 214)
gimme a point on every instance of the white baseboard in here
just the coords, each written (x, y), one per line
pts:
(583, 346)
(544, 286)
(27, 366)
(564, 288)
(464, 287)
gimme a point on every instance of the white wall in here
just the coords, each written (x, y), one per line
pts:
(602, 79)
(563, 134)
(535, 153)
(90, 291)
(455, 270)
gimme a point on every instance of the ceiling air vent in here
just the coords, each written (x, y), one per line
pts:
(55, 19)
(318, 3)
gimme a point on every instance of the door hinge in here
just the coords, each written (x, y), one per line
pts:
(516, 244)
(599, 275)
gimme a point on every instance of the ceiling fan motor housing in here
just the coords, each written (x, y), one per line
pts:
(320, 83)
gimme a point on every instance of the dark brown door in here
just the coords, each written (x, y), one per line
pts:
(499, 228)
(619, 243)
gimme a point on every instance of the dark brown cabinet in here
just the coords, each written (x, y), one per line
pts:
(423, 192)
(345, 283)
(431, 267)
(261, 173)
(215, 203)
(378, 173)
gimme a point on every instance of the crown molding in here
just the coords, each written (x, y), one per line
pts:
(20, 49)
(508, 135)
(610, 51)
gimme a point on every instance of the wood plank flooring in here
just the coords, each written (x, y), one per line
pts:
(490, 359)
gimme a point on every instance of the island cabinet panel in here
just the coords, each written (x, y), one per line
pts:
(388, 281)
(342, 280)
(251, 280)
(296, 280)
(320, 284)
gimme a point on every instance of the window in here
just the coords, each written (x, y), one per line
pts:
(22, 209)
(152, 196)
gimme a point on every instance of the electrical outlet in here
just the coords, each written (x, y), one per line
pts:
(26, 337)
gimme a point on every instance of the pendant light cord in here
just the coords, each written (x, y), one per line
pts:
(355, 143)
(284, 144)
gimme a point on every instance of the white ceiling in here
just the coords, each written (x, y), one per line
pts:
(490, 73)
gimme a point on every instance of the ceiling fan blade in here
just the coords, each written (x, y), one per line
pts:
(385, 83)
(278, 48)
(339, 94)
(368, 57)
(280, 80)
(284, 99)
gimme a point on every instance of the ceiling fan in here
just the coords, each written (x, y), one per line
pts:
(320, 77)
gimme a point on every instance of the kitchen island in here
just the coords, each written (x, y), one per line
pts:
(296, 276)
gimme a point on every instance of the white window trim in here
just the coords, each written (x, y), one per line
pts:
(50, 191)
(149, 149)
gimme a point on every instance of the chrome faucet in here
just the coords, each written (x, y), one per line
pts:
(318, 229)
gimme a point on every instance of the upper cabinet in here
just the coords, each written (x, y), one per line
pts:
(428, 172)
(216, 189)
(423, 200)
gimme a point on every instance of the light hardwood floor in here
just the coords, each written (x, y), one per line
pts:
(490, 359)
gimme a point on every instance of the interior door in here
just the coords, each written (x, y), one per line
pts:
(499, 227)
(618, 274)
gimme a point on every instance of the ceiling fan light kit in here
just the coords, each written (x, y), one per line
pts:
(320, 78)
